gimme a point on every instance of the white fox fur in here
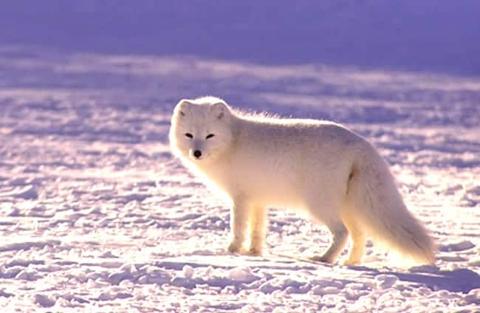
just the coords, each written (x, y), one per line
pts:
(316, 167)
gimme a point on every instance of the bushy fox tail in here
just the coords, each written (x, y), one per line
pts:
(377, 206)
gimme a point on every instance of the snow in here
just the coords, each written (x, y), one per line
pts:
(44, 301)
(97, 215)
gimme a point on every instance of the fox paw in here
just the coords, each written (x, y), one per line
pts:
(321, 258)
(254, 251)
(351, 262)
(234, 247)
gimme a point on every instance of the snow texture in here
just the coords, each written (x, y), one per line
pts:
(97, 216)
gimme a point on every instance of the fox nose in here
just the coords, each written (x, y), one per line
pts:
(197, 153)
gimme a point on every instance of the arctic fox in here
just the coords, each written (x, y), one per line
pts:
(318, 167)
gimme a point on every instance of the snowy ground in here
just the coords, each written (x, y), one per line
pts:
(96, 215)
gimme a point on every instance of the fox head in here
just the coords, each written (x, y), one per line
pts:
(201, 129)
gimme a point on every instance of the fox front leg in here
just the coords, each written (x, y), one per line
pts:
(239, 215)
(258, 224)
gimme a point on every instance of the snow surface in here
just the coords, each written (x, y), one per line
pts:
(97, 216)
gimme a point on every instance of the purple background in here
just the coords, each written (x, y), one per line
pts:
(426, 35)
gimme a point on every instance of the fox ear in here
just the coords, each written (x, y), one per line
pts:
(181, 106)
(221, 110)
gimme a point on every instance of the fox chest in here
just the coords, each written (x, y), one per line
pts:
(261, 184)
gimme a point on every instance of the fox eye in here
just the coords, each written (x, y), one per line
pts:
(209, 136)
(189, 135)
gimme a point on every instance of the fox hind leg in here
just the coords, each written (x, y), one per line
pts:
(340, 235)
(358, 242)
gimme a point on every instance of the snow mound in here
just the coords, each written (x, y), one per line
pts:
(44, 301)
(242, 274)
